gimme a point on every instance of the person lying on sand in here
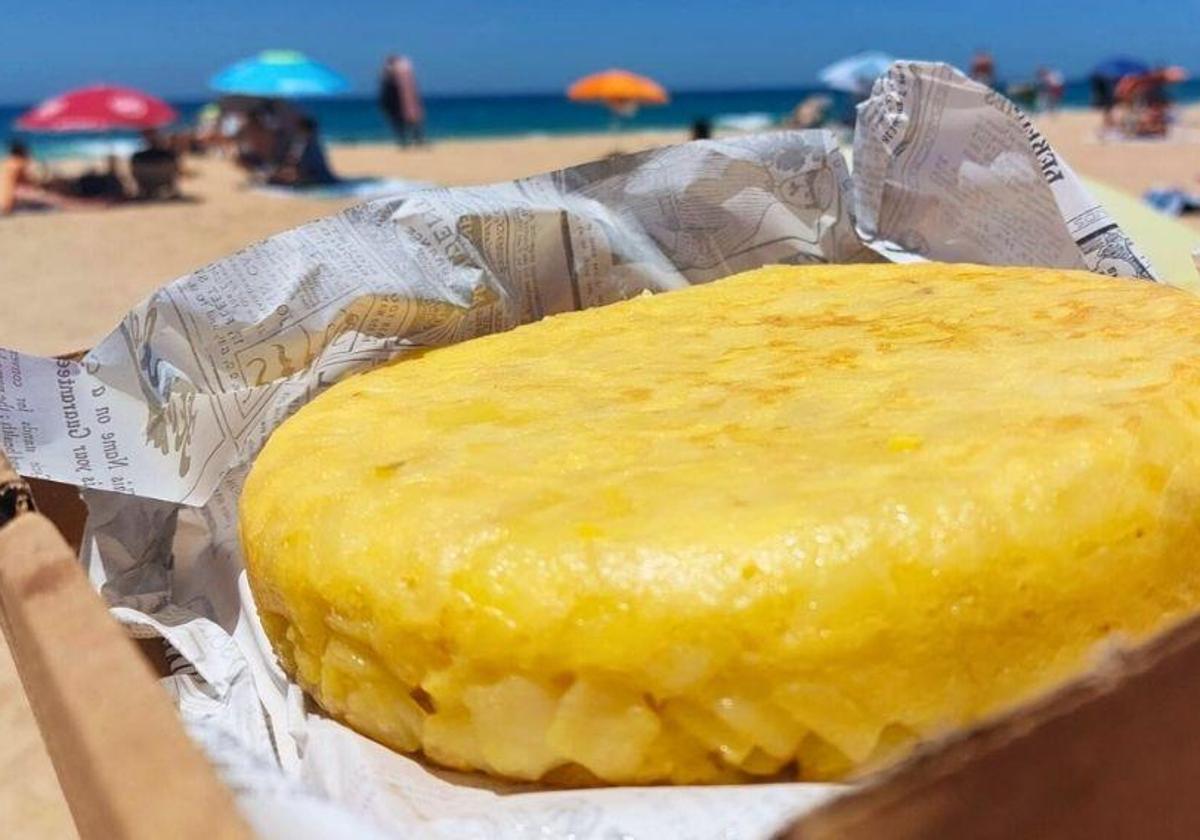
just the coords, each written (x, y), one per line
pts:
(103, 183)
(20, 190)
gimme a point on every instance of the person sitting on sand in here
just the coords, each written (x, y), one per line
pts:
(1155, 103)
(1147, 103)
(155, 169)
(304, 162)
(257, 145)
(229, 126)
(156, 147)
(813, 112)
(13, 175)
(1023, 94)
(207, 134)
(19, 189)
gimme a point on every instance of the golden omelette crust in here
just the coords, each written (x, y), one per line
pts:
(788, 521)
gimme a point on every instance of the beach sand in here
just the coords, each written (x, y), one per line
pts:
(66, 278)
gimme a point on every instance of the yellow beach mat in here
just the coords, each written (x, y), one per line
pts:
(1166, 241)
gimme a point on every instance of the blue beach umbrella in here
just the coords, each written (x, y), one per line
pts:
(856, 73)
(1119, 66)
(279, 73)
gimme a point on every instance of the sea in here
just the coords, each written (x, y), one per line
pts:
(356, 119)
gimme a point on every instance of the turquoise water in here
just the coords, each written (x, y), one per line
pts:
(357, 119)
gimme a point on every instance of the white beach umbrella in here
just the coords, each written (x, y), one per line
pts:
(856, 73)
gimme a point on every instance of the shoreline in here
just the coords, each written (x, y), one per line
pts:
(127, 143)
(354, 149)
(66, 149)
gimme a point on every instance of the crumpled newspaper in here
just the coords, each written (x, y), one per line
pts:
(160, 422)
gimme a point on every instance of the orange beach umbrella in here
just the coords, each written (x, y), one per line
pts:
(618, 89)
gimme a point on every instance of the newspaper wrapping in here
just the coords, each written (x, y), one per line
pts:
(160, 422)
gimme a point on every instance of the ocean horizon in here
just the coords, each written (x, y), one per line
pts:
(357, 119)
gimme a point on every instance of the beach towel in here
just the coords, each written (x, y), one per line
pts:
(346, 188)
(1172, 201)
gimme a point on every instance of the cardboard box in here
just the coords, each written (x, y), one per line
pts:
(125, 764)
(1114, 754)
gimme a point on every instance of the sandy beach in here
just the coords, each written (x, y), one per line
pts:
(89, 267)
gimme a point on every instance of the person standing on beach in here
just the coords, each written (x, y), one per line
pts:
(1050, 87)
(983, 68)
(390, 102)
(410, 99)
(1104, 98)
(400, 100)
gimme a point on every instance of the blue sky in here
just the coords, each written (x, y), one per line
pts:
(472, 46)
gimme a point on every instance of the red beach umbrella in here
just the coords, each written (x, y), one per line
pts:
(98, 108)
